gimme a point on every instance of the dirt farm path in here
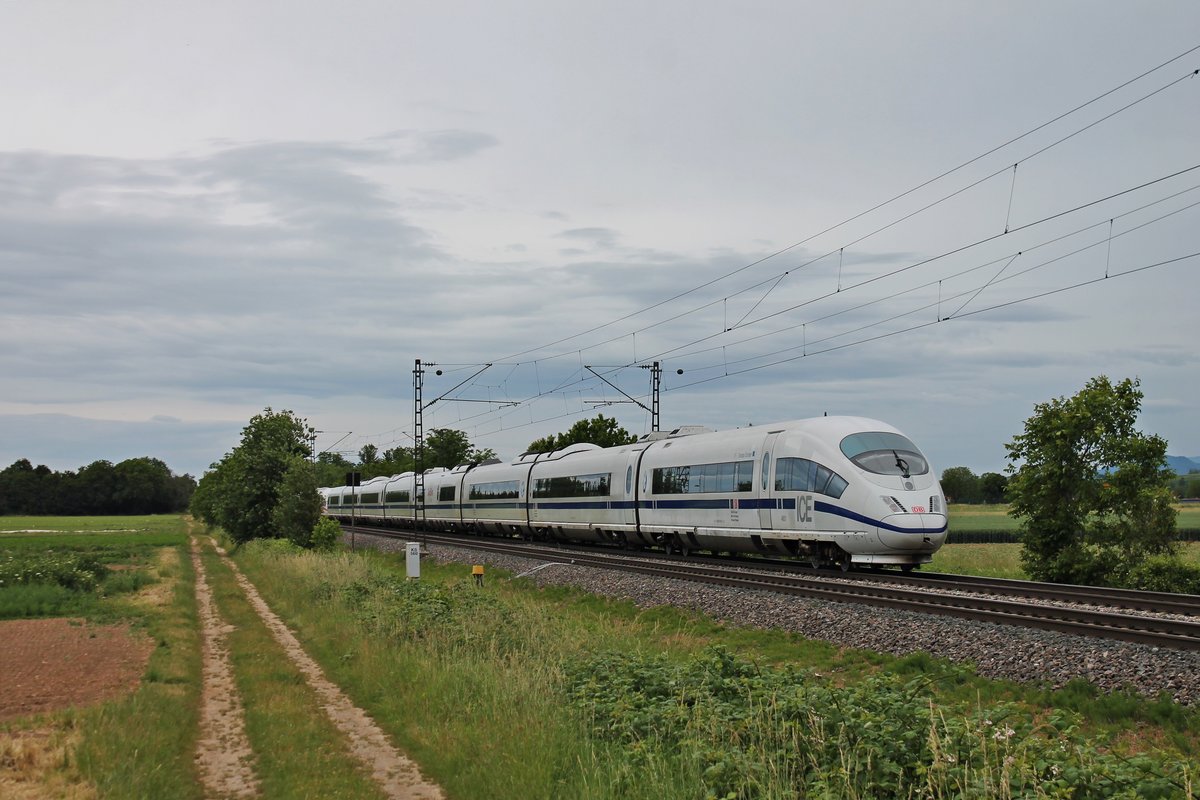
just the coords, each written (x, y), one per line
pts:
(397, 775)
(223, 754)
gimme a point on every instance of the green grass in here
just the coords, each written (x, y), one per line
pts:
(995, 517)
(1004, 560)
(143, 744)
(993, 560)
(476, 684)
(115, 535)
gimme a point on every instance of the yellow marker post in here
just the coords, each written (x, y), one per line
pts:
(477, 571)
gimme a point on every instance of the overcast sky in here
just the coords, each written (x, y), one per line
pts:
(211, 208)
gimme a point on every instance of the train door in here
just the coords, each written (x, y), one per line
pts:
(764, 488)
(628, 498)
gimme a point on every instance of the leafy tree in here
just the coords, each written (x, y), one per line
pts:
(332, 469)
(961, 485)
(245, 485)
(298, 508)
(1091, 491)
(602, 431)
(445, 447)
(95, 486)
(394, 461)
(19, 488)
(143, 485)
(992, 486)
(368, 454)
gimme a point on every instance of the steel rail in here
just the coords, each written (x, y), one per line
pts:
(1155, 631)
(1134, 599)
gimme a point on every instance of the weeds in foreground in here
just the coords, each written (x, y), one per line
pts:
(750, 732)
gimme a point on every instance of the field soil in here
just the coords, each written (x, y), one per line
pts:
(50, 664)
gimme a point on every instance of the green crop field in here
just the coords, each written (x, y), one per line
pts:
(52, 566)
(995, 518)
(69, 531)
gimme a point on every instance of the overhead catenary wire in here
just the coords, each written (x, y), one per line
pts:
(880, 229)
(574, 379)
(896, 197)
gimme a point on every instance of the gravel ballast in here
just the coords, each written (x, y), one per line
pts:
(997, 651)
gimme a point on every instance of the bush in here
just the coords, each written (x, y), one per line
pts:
(326, 534)
(1165, 574)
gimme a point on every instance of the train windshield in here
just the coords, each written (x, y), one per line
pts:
(885, 454)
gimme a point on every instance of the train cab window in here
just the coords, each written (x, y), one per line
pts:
(335, 501)
(884, 454)
(446, 493)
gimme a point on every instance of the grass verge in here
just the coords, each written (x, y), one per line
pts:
(510, 691)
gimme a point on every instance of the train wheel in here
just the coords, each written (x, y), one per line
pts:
(907, 568)
(845, 563)
(814, 561)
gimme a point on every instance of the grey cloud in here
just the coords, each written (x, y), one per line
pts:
(420, 147)
(604, 238)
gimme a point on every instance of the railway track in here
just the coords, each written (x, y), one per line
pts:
(1023, 603)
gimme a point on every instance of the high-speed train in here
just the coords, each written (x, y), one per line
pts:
(844, 491)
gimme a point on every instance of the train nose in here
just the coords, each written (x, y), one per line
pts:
(913, 531)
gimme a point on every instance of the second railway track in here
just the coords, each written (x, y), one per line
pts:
(939, 594)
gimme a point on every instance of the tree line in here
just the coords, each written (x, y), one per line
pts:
(133, 486)
(961, 485)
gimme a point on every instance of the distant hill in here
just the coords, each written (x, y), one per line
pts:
(1182, 466)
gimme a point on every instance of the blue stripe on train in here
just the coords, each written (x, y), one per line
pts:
(848, 514)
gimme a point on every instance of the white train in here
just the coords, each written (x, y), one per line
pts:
(844, 491)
